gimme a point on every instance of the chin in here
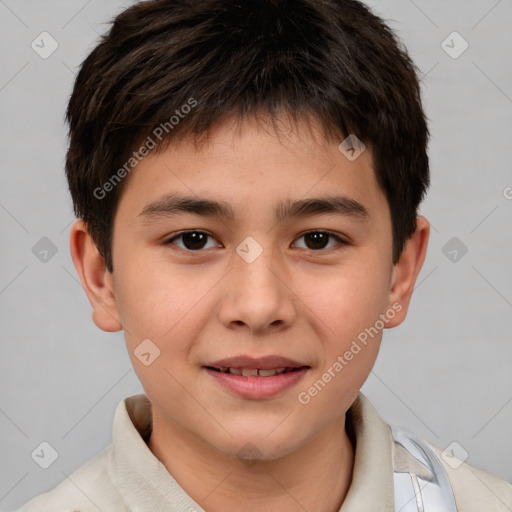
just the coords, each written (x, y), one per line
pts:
(250, 445)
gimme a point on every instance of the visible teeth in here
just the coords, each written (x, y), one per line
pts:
(267, 373)
(254, 372)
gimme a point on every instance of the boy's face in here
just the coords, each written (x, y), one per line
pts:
(258, 286)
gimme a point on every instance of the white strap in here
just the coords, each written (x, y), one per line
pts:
(421, 483)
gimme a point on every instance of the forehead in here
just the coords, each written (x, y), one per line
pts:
(256, 161)
(278, 134)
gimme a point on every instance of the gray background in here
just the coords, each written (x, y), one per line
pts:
(445, 373)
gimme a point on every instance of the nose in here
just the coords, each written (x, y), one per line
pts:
(258, 295)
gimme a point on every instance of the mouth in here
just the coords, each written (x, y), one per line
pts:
(255, 372)
(256, 378)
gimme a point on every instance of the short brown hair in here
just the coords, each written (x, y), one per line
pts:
(333, 59)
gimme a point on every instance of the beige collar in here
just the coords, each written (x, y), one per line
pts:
(145, 483)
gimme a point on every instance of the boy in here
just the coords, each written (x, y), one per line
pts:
(247, 177)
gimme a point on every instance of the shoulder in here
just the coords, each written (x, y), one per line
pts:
(88, 489)
(475, 489)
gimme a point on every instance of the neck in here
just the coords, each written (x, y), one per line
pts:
(316, 476)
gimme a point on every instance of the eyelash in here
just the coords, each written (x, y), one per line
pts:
(341, 241)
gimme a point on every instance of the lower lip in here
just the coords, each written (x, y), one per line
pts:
(257, 387)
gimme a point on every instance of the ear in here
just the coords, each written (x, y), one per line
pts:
(96, 280)
(406, 271)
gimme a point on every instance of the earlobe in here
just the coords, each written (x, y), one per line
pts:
(407, 269)
(96, 280)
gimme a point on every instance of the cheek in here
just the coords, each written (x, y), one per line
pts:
(349, 299)
(349, 309)
(159, 306)
(157, 303)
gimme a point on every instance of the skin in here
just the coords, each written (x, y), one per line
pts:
(299, 300)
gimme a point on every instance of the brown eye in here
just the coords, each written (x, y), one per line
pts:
(192, 240)
(318, 240)
(195, 241)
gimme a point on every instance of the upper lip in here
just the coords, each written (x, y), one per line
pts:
(261, 363)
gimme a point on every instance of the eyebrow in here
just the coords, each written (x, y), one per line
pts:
(174, 204)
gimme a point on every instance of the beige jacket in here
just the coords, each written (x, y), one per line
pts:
(127, 477)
